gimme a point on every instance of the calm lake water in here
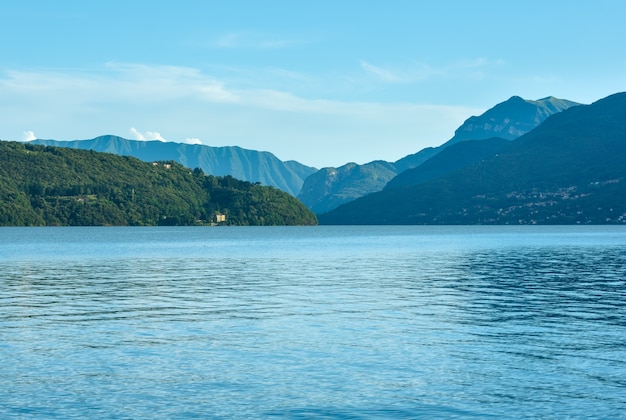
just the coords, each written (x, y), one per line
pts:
(313, 322)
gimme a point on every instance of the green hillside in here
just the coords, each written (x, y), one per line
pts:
(43, 186)
(247, 165)
(330, 187)
(569, 170)
(453, 158)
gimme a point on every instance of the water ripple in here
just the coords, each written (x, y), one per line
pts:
(395, 325)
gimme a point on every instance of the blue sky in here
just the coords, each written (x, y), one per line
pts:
(321, 82)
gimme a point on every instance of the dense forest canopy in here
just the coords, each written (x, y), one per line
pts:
(44, 186)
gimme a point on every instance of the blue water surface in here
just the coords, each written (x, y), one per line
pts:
(313, 322)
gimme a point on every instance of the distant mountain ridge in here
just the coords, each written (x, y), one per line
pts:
(571, 169)
(243, 164)
(331, 187)
(328, 188)
(510, 119)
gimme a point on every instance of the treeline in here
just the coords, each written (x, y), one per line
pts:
(48, 186)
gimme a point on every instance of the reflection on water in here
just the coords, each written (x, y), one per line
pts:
(313, 323)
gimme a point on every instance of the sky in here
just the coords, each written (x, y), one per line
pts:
(321, 82)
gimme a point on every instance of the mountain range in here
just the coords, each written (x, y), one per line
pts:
(325, 189)
(570, 169)
(54, 186)
(331, 187)
(243, 164)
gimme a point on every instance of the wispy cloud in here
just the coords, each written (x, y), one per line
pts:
(477, 68)
(285, 74)
(167, 82)
(384, 74)
(250, 40)
(132, 83)
(189, 104)
(400, 73)
(415, 71)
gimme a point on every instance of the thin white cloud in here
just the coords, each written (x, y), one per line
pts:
(160, 82)
(130, 83)
(288, 74)
(406, 73)
(136, 86)
(415, 71)
(476, 69)
(250, 40)
(231, 40)
(193, 140)
(148, 135)
(29, 136)
(383, 74)
(221, 112)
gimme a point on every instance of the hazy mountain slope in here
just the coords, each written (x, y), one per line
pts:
(331, 187)
(328, 188)
(570, 169)
(247, 165)
(510, 119)
(453, 158)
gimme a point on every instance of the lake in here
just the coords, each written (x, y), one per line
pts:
(313, 322)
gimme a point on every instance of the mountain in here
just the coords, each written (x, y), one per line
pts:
(328, 188)
(247, 165)
(570, 169)
(331, 187)
(451, 159)
(510, 119)
(43, 185)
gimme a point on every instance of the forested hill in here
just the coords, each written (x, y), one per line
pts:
(571, 169)
(244, 164)
(43, 186)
